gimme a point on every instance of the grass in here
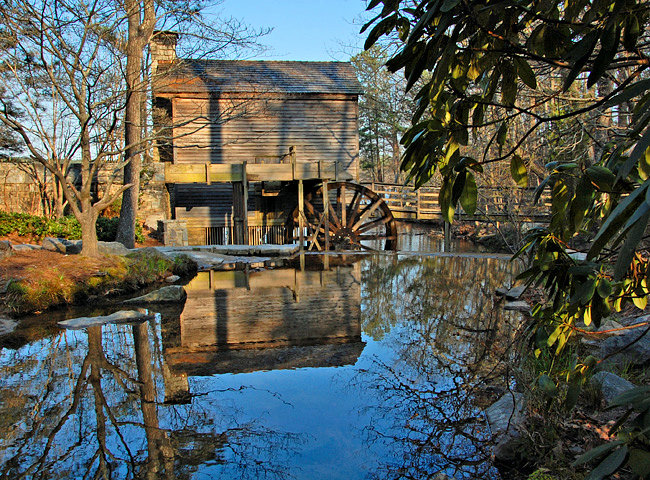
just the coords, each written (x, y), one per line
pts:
(58, 282)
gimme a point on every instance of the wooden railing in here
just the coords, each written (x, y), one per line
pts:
(497, 203)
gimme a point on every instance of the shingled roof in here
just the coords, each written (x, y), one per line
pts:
(228, 76)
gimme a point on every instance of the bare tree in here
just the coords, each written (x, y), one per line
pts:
(62, 95)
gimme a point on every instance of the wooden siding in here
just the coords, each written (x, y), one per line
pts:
(239, 129)
(235, 310)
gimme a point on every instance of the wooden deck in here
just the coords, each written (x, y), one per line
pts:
(251, 172)
(498, 203)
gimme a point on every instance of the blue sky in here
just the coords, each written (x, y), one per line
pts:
(303, 29)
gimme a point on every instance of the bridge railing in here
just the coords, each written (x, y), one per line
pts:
(498, 203)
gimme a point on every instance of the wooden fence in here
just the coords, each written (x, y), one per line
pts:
(498, 203)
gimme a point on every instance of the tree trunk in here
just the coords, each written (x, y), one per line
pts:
(140, 30)
(88, 223)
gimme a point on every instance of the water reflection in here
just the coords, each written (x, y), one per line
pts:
(371, 368)
(242, 321)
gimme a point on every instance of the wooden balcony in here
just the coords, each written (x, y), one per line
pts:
(254, 172)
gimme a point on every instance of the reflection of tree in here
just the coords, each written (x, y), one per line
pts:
(448, 340)
(90, 410)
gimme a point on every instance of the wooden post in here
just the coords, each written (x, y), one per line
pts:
(207, 173)
(301, 214)
(240, 208)
(447, 242)
(292, 159)
(326, 213)
(244, 181)
(417, 207)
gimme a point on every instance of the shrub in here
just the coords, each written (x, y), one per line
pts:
(24, 224)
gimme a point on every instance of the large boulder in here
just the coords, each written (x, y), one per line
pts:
(123, 316)
(632, 347)
(610, 385)
(505, 418)
(171, 293)
(112, 248)
(62, 245)
(7, 325)
(5, 249)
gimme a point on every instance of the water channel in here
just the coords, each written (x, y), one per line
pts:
(378, 366)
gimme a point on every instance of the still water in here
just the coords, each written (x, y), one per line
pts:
(375, 367)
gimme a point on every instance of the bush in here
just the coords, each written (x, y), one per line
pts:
(24, 224)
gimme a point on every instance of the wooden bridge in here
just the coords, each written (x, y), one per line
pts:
(493, 203)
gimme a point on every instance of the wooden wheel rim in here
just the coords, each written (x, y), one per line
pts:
(357, 214)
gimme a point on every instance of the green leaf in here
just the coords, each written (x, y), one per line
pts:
(639, 462)
(459, 186)
(584, 292)
(632, 240)
(608, 47)
(547, 385)
(502, 133)
(518, 171)
(640, 302)
(609, 465)
(604, 288)
(631, 35)
(639, 149)
(469, 197)
(616, 219)
(444, 200)
(644, 165)
(601, 177)
(630, 397)
(525, 72)
(594, 453)
(448, 5)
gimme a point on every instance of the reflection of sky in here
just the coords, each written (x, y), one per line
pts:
(344, 422)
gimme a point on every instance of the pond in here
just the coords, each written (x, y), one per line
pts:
(369, 367)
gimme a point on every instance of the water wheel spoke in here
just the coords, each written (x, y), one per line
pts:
(370, 236)
(367, 212)
(373, 224)
(354, 208)
(333, 216)
(341, 200)
(346, 214)
(364, 247)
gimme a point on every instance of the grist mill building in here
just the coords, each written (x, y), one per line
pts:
(263, 152)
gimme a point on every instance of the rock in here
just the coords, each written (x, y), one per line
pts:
(172, 279)
(637, 353)
(515, 292)
(171, 293)
(62, 245)
(123, 316)
(7, 325)
(151, 252)
(505, 417)
(442, 476)
(610, 385)
(24, 247)
(518, 306)
(5, 249)
(501, 291)
(112, 248)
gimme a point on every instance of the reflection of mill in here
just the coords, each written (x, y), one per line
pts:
(242, 321)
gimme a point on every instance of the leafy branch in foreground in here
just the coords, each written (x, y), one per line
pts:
(506, 75)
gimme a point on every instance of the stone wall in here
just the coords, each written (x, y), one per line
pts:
(19, 190)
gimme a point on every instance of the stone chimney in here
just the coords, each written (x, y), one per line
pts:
(163, 47)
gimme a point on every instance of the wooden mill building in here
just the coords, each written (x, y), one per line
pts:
(262, 151)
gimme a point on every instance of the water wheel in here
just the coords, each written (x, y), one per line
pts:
(358, 219)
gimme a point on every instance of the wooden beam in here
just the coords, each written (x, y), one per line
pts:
(326, 214)
(301, 214)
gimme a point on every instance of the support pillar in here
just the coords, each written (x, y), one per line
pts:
(301, 214)
(240, 209)
(326, 213)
